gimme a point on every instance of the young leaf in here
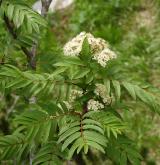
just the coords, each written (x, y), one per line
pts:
(85, 52)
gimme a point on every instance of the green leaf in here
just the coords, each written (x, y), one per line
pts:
(95, 145)
(29, 27)
(111, 123)
(117, 88)
(85, 148)
(79, 133)
(70, 140)
(89, 78)
(35, 27)
(122, 148)
(12, 146)
(147, 98)
(47, 128)
(81, 73)
(48, 153)
(58, 71)
(107, 85)
(123, 159)
(96, 137)
(68, 133)
(65, 128)
(85, 53)
(16, 17)
(10, 10)
(94, 127)
(90, 121)
(18, 13)
(78, 143)
(130, 88)
(68, 61)
(80, 147)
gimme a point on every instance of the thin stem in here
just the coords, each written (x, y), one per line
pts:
(85, 108)
(28, 53)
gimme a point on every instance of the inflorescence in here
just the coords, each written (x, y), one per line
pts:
(99, 48)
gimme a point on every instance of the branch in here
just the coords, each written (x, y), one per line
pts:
(0, 2)
(45, 6)
(85, 108)
(28, 53)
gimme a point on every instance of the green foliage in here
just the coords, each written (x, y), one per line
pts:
(137, 92)
(102, 17)
(50, 125)
(11, 146)
(111, 123)
(23, 15)
(49, 154)
(32, 81)
(76, 130)
(123, 150)
(82, 133)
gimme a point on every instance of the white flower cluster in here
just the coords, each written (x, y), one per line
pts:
(74, 46)
(94, 105)
(73, 95)
(99, 48)
(104, 56)
(101, 91)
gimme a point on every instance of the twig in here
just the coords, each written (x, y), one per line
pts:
(28, 53)
(45, 6)
(85, 108)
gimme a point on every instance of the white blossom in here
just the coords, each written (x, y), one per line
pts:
(94, 105)
(72, 97)
(75, 94)
(107, 100)
(101, 91)
(99, 48)
(97, 44)
(74, 46)
(104, 56)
